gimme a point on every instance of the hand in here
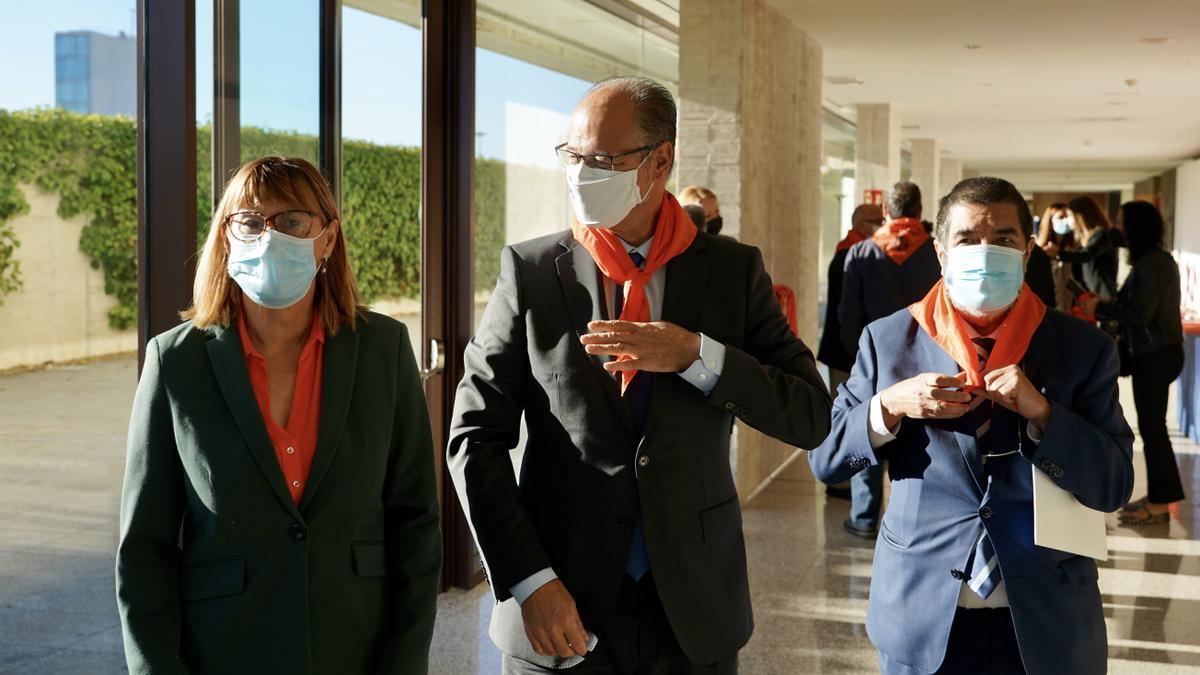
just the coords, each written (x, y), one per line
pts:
(1009, 387)
(1051, 249)
(658, 347)
(551, 622)
(926, 396)
(1088, 304)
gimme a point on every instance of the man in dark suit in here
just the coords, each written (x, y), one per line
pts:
(865, 220)
(620, 547)
(967, 393)
(892, 269)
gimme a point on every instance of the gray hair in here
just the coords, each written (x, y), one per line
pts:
(652, 102)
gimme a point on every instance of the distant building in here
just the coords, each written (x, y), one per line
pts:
(95, 73)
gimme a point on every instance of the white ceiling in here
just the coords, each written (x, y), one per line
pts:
(1046, 92)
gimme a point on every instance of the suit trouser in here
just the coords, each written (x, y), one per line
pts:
(636, 640)
(1153, 374)
(982, 642)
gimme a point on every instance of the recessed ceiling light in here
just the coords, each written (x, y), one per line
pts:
(1116, 102)
(986, 84)
(910, 127)
(1157, 40)
(973, 46)
(843, 79)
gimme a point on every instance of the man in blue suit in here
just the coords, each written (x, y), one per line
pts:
(965, 394)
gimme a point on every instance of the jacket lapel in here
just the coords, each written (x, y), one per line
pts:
(580, 281)
(337, 390)
(229, 366)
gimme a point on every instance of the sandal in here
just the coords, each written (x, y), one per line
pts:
(1135, 504)
(1133, 519)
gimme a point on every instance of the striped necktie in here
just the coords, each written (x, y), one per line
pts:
(983, 567)
(638, 397)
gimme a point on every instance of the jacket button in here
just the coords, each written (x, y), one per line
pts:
(985, 512)
(730, 405)
(958, 574)
(296, 531)
(1058, 473)
(626, 525)
(643, 461)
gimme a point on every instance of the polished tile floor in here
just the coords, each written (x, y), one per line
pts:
(61, 446)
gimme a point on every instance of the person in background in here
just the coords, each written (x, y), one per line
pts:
(1097, 254)
(892, 269)
(696, 213)
(1056, 233)
(966, 394)
(865, 220)
(1150, 331)
(707, 199)
(618, 546)
(280, 508)
(1039, 274)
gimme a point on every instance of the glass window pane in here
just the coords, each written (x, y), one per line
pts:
(279, 69)
(381, 150)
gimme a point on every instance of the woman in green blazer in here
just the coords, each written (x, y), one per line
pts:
(279, 512)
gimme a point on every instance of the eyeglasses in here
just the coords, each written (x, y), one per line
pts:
(597, 160)
(248, 226)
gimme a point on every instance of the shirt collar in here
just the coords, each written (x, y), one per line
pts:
(644, 249)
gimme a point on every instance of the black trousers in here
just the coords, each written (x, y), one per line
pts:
(636, 640)
(982, 642)
(1152, 375)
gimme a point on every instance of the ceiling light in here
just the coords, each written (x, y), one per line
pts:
(911, 127)
(843, 79)
(986, 84)
(1157, 40)
(973, 46)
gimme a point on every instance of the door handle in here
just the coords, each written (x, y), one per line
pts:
(435, 363)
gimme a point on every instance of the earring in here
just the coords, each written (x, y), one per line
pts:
(325, 265)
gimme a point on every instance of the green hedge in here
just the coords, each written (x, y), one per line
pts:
(91, 162)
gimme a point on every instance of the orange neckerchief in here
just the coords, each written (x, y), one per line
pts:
(673, 234)
(852, 238)
(900, 238)
(938, 317)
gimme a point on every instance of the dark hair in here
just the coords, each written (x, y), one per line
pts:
(983, 191)
(904, 201)
(696, 213)
(652, 102)
(1143, 225)
(1093, 215)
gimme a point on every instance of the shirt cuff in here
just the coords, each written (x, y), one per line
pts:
(534, 581)
(706, 370)
(1034, 431)
(877, 430)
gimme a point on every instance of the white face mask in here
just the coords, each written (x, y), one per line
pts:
(603, 198)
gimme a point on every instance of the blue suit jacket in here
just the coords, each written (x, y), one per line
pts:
(940, 498)
(873, 286)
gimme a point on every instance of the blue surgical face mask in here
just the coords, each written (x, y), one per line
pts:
(275, 270)
(1063, 226)
(982, 279)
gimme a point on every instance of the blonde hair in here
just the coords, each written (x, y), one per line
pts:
(216, 298)
(694, 194)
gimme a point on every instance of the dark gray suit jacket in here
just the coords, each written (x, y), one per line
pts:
(585, 476)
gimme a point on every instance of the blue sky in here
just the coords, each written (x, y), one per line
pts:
(381, 90)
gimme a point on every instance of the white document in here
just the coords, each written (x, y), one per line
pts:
(1062, 523)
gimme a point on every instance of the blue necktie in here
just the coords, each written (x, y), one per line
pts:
(638, 397)
(983, 567)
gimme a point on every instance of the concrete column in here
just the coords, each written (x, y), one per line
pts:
(750, 130)
(952, 173)
(926, 172)
(877, 148)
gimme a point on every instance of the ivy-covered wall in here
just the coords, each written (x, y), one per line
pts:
(91, 162)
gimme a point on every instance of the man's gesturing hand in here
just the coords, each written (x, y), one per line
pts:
(658, 347)
(1009, 387)
(551, 622)
(926, 396)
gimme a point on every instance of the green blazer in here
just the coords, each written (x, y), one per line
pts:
(218, 570)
